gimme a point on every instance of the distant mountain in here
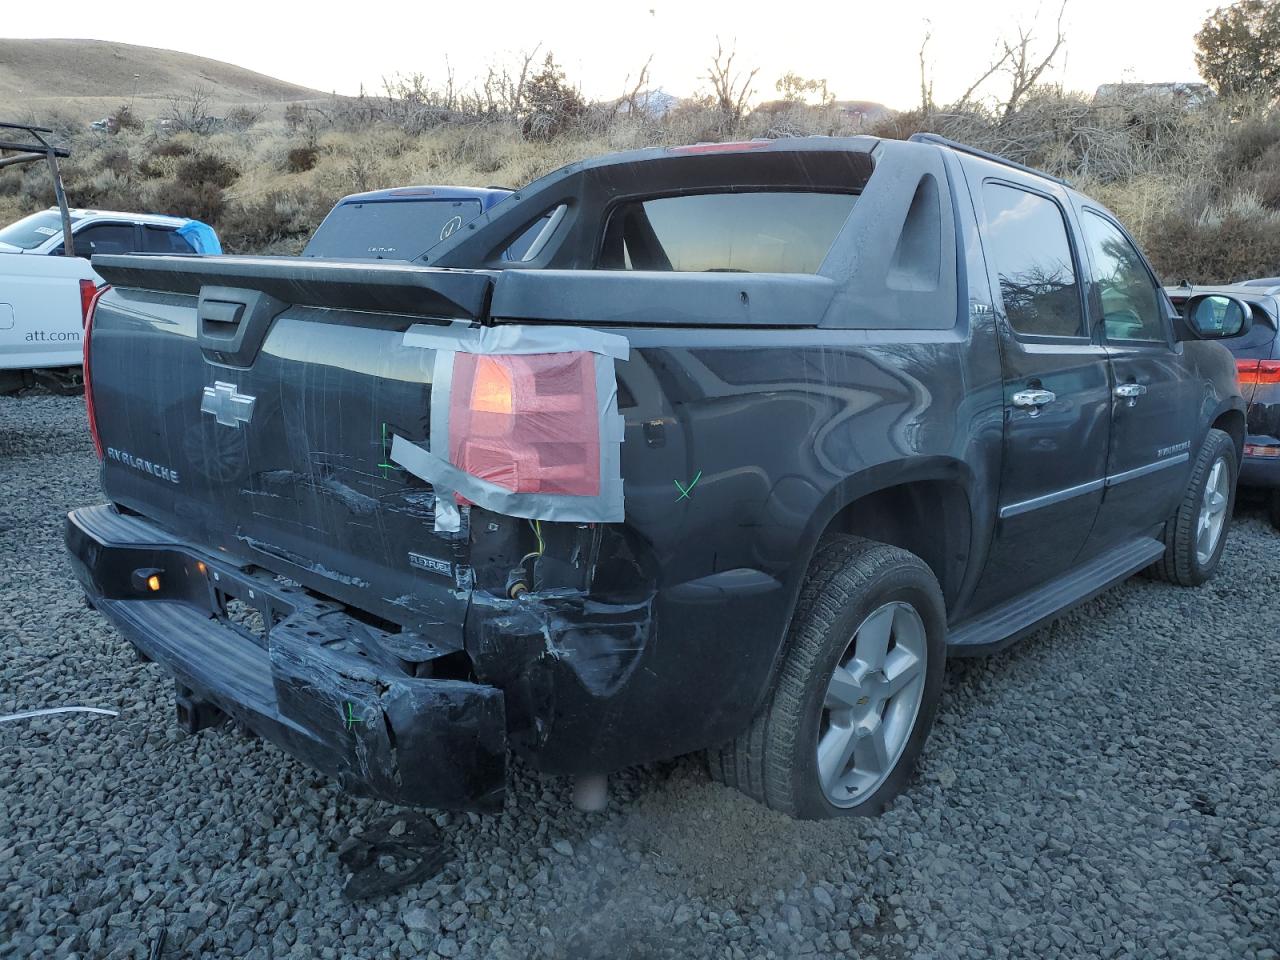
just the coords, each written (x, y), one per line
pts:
(89, 78)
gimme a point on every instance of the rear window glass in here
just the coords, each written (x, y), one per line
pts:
(389, 229)
(756, 232)
(30, 232)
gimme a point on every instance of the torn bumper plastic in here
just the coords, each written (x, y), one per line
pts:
(340, 695)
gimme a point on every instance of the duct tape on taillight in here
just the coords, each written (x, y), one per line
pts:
(532, 413)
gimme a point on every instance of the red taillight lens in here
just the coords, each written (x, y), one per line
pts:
(89, 308)
(1252, 372)
(528, 423)
(88, 291)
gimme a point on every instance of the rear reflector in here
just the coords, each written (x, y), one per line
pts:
(1258, 450)
(527, 422)
(1258, 371)
(88, 379)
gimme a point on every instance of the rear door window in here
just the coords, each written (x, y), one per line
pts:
(164, 240)
(1027, 244)
(106, 238)
(754, 232)
(389, 229)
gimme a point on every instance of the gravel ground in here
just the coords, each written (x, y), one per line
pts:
(1107, 788)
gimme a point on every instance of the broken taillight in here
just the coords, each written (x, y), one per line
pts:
(1258, 371)
(527, 422)
(89, 309)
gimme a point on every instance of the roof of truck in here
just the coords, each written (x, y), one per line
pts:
(159, 219)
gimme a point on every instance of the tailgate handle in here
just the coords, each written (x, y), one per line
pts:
(219, 318)
(232, 322)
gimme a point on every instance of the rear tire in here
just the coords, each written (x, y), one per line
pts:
(1196, 535)
(857, 690)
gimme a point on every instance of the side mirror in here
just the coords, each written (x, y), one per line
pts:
(1217, 316)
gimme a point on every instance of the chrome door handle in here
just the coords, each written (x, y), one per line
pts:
(1035, 399)
(1130, 392)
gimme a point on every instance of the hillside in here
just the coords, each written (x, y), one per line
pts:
(89, 78)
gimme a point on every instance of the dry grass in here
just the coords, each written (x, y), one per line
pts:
(1199, 187)
(87, 79)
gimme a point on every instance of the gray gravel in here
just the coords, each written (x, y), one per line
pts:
(1108, 788)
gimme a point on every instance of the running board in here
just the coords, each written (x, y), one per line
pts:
(1014, 619)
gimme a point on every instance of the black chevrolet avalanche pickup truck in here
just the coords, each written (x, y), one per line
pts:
(744, 443)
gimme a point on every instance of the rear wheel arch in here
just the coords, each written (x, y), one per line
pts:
(924, 507)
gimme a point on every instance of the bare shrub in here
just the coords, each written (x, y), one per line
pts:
(1233, 248)
(244, 117)
(189, 112)
(302, 158)
(207, 169)
(203, 201)
(252, 224)
(126, 120)
(551, 106)
(731, 89)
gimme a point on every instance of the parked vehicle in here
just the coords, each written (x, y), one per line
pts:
(44, 293)
(399, 223)
(730, 458)
(1258, 365)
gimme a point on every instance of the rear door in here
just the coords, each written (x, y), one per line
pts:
(1057, 392)
(105, 237)
(1155, 394)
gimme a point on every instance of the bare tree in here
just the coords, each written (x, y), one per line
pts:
(731, 90)
(190, 111)
(1024, 66)
(1017, 58)
(926, 81)
(631, 99)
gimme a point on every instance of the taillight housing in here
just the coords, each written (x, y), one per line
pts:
(88, 293)
(1254, 372)
(527, 422)
(89, 307)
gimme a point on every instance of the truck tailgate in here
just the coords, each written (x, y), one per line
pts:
(279, 455)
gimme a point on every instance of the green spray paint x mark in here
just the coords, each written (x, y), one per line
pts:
(351, 719)
(384, 465)
(685, 491)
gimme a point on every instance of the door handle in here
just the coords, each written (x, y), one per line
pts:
(1130, 392)
(1034, 399)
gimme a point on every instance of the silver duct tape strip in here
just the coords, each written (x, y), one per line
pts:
(605, 508)
(517, 339)
(434, 467)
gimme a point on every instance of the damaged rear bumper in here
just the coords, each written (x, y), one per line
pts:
(349, 699)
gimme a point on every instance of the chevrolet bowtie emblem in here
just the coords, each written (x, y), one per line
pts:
(228, 406)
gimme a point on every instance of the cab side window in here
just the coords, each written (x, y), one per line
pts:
(1027, 242)
(1130, 303)
(106, 238)
(163, 240)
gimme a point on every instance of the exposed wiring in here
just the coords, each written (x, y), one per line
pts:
(536, 526)
(50, 711)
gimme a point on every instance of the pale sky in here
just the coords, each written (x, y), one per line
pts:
(865, 51)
